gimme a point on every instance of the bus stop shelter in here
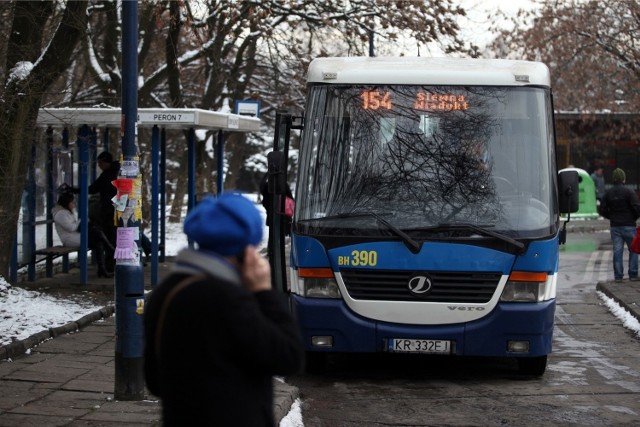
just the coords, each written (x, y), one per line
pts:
(89, 121)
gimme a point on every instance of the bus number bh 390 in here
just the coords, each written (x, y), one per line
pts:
(359, 259)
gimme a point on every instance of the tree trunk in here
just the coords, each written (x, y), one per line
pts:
(22, 97)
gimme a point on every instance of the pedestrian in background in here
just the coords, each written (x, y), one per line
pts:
(103, 186)
(215, 330)
(598, 180)
(621, 207)
(267, 199)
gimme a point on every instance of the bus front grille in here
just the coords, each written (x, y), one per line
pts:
(393, 285)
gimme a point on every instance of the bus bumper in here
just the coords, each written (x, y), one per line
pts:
(489, 336)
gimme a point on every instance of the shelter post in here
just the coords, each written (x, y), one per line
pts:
(50, 198)
(220, 155)
(84, 134)
(163, 192)
(29, 219)
(191, 171)
(155, 160)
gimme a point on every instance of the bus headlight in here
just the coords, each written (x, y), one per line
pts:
(318, 283)
(320, 288)
(525, 287)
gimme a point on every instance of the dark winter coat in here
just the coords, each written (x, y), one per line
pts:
(219, 346)
(103, 186)
(620, 206)
(267, 199)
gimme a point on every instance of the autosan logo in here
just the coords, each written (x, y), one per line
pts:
(419, 285)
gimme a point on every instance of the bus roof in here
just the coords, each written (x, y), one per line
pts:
(428, 71)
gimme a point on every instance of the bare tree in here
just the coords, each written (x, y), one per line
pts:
(591, 48)
(207, 54)
(42, 38)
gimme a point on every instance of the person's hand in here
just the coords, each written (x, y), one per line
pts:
(255, 270)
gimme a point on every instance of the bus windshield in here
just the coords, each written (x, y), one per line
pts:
(427, 157)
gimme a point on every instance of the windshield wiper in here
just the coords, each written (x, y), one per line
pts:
(519, 246)
(411, 244)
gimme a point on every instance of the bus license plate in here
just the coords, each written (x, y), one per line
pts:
(400, 345)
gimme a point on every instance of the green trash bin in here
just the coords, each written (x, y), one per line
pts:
(588, 206)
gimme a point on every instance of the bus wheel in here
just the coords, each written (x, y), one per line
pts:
(315, 362)
(534, 366)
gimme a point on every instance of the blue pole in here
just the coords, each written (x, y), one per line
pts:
(220, 155)
(93, 148)
(155, 160)
(83, 202)
(29, 226)
(129, 277)
(163, 190)
(50, 197)
(191, 169)
(191, 172)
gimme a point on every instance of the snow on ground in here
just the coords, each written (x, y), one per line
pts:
(628, 321)
(294, 417)
(24, 313)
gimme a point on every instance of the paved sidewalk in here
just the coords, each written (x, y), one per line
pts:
(69, 381)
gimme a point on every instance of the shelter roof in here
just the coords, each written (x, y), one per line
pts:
(176, 118)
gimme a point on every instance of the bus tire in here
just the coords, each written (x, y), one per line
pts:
(533, 366)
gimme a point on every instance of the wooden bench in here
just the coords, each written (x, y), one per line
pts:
(54, 252)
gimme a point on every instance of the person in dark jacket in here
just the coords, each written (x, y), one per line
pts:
(215, 330)
(267, 200)
(621, 207)
(107, 191)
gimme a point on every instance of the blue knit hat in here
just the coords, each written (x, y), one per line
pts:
(226, 224)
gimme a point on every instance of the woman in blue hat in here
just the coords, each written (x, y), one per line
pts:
(215, 330)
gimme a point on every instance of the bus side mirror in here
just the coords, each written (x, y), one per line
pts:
(277, 180)
(568, 191)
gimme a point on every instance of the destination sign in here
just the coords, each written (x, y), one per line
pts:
(423, 101)
(440, 102)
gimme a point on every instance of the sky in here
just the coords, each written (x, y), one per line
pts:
(474, 26)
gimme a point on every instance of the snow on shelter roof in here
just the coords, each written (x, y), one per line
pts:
(175, 118)
(428, 71)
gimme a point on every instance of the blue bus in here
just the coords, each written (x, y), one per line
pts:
(428, 206)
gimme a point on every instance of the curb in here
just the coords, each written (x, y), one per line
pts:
(283, 397)
(631, 308)
(20, 347)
